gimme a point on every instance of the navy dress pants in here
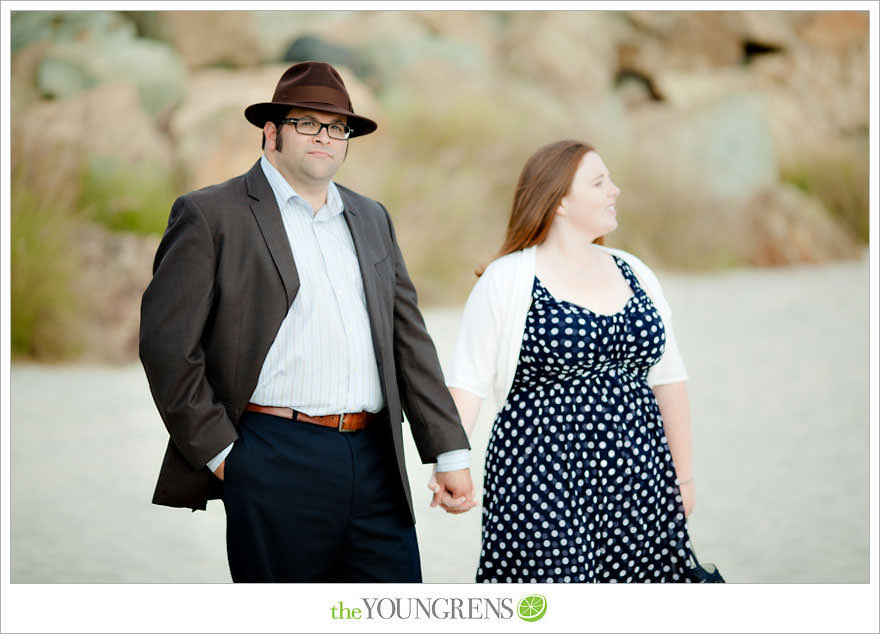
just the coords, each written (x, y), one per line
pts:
(306, 503)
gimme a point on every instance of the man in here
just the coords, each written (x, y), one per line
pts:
(282, 342)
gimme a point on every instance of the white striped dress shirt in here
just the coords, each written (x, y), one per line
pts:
(322, 360)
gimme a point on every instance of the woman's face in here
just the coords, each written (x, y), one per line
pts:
(589, 204)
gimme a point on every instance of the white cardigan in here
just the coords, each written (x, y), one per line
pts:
(490, 336)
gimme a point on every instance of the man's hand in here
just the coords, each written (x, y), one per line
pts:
(219, 471)
(453, 490)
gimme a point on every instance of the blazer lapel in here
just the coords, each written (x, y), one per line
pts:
(265, 210)
(370, 251)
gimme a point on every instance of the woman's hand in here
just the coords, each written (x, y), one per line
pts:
(443, 494)
(433, 485)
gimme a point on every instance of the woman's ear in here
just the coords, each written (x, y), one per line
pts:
(562, 209)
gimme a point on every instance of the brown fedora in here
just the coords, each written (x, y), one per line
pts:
(314, 86)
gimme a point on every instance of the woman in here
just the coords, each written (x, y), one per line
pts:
(588, 468)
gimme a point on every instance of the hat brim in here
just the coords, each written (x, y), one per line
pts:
(259, 113)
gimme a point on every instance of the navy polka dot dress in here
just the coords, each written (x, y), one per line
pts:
(580, 485)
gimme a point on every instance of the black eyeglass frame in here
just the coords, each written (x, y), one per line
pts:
(321, 126)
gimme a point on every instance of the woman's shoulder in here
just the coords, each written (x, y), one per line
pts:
(506, 276)
(643, 271)
(508, 267)
(626, 256)
(511, 262)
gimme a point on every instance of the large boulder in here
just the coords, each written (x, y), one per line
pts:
(783, 225)
(28, 27)
(821, 100)
(390, 49)
(771, 30)
(278, 29)
(835, 32)
(71, 67)
(810, 68)
(779, 225)
(310, 47)
(119, 160)
(212, 38)
(723, 149)
(571, 55)
(682, 40)
(108, 121)
(23, 75)
(803, 89)
(213, 140)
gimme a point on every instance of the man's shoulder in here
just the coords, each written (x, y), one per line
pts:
(218, 191)
(358, 202)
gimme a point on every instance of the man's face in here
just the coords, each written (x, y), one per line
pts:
(303, 160)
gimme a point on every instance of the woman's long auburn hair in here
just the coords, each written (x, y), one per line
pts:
(543, 183)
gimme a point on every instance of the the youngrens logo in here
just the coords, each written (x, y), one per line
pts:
(530, 608)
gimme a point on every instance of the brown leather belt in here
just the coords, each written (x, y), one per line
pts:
(339, 422)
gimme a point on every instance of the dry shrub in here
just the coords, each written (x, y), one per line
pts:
(78, 267)
(837, 174)
(667, 220)
(134, 198)
(44, 308)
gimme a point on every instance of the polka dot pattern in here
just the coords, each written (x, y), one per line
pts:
(579, 482)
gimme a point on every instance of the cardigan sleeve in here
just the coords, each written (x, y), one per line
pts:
(670, 368)
(473, 364)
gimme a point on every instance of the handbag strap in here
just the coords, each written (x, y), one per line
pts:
(703, 574)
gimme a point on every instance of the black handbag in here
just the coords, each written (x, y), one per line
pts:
(699, 573)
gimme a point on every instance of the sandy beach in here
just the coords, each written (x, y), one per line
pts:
(779, 389)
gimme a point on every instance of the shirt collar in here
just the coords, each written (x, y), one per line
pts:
(284, 192)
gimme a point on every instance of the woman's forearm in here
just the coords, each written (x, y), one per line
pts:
(672, 398)
(468, 406)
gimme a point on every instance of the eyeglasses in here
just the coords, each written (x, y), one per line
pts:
(311, 127)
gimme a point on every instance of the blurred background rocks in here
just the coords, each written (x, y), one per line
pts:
(738, 138)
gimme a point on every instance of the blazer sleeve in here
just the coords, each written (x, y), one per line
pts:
(433, 417)
(175, 309)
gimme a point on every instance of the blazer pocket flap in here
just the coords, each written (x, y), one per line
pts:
(384, 267)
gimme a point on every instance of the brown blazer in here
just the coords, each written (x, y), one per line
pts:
(224, 278)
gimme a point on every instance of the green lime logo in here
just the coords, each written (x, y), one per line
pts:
(532, 608)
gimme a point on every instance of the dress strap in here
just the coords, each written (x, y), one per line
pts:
(628, 274)
(539, 291)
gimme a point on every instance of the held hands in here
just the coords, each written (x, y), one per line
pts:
(453, 490)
